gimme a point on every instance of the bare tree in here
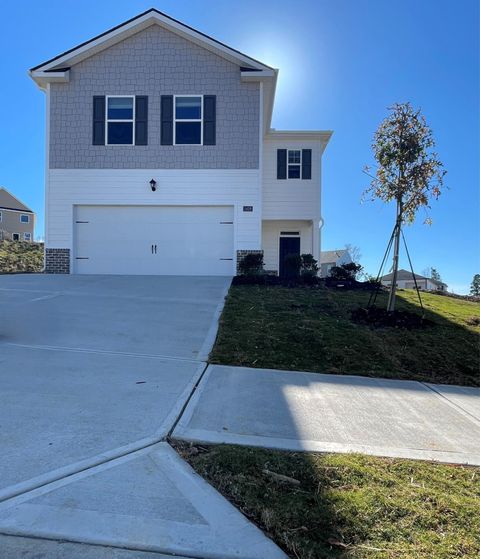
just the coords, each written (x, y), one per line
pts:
(409, 171)
(354, 252)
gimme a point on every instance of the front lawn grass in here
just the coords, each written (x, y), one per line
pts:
(309, 329)
(349, 506)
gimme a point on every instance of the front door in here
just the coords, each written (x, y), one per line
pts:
(288, 245)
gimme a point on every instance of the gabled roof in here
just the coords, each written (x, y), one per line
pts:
(327, 256)
(132, 26)
(10, 202)
(403, 275)
(57, 69)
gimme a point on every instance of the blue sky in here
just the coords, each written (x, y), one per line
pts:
(342, 63)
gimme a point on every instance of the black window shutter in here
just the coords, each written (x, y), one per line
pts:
(306, 163)
(166, 132)
(141, 120)
(281, 163)
(209, 120)
(98, 120)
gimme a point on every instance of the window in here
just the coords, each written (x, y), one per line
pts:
(15, 236)
(120, 121)
(0, 216)
(294, 163)
(27, 236)
(188, 120)
(24, 218)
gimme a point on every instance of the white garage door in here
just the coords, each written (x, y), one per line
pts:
(163, 240)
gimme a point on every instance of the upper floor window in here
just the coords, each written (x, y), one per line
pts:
(188, 119)
(0, 216)
(24, 218)
(120, 120)
(294, 163)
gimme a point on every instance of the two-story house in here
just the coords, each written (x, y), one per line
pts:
(161, 159)
(17, 220)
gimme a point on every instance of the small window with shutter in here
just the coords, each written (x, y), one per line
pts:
(294, 164)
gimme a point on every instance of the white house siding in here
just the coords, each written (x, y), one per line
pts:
(196, 187)
(291, 198)
(271, 239)
(327, 266)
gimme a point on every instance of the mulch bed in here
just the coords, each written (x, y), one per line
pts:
(381, 318)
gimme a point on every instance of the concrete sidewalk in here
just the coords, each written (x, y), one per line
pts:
(334, 413)
(146, 501)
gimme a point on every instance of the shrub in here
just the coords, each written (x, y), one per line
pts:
(309, 267)
(345, 271)
(293, 264)
(19, 256)
(251, 264)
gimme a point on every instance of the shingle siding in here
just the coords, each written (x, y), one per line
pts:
(155, 62)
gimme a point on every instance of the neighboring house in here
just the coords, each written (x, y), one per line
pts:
(331, 258)
(16, 219)
(161, 158)
(405, 280)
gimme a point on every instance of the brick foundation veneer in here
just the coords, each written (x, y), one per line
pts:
(242, 253)
(57, 261)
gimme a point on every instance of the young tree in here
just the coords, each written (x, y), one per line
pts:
(408, 173)
(475, 286)
(435, 275)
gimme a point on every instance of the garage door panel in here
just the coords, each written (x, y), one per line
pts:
(170, 240)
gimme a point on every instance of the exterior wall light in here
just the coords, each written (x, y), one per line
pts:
(153, 185)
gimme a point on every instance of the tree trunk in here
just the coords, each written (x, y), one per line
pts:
(396, 250)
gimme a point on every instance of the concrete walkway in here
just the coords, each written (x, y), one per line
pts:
(334, 413)
(94, 373)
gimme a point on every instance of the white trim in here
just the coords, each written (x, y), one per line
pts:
(200, 120)
(118, 120)
(253, 76)
(16, 211)
(42, 79)
(260, 158)
(299, 134)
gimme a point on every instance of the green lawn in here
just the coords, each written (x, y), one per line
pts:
(310, 329)
(349, 506)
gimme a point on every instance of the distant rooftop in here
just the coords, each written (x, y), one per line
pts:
(407, 275)
(327, 256)
(10, 202)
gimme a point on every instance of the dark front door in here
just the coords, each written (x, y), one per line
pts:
(288, 245)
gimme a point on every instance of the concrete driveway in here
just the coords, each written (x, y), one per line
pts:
(93, 371)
